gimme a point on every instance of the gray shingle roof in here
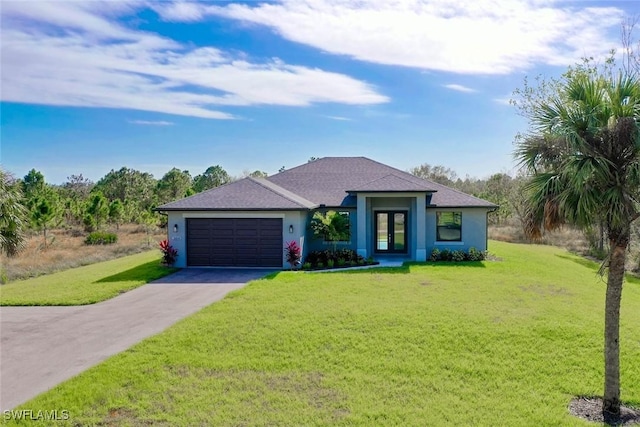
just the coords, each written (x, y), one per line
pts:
(447, 197)
(245, 194)
(325, 181)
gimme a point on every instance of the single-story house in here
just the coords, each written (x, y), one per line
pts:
(392, 213)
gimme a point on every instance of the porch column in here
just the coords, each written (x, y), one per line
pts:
(362, 226)
(421, 227)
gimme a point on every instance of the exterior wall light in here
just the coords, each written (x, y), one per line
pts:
(291, 228)
(175, 228)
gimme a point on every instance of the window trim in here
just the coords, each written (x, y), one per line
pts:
(456, 214)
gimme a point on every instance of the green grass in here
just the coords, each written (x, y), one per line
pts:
(88, 284)
(495, 343)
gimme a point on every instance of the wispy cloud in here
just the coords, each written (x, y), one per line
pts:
(339, 118)
(466, 36)
(460, 88)
(502, 101)
(80, 54)
(151, 123)
(180, 11)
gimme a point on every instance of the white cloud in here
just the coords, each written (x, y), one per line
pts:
(77, 54)
(151, 122)
(460, 88)
(466, 36)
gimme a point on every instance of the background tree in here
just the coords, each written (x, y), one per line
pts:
(41, 201)
(12, 215)
(213, 177)
(497, 189)
(256, 174)
(116, 213)
(98, 211)
(33, 184)
(583, 152)
(440, 174)
(74, 194)
(44, 212)
(174, 185)
(129, 185)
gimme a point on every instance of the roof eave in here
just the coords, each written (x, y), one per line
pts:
(228, 209)
(353, 192)
(464, 206)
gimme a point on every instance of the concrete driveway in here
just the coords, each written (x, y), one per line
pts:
(42, 346)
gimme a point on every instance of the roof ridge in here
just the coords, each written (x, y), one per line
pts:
(283, 192)
(396, 176)
(322, 158)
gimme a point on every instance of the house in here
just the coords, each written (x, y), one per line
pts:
(391, 213)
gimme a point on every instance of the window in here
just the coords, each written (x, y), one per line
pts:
(449, 226)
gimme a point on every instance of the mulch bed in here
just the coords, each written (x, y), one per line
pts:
(590, 409)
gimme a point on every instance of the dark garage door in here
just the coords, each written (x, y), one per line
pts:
(234, 242)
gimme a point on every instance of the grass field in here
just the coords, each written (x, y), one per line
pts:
(506, 343)
(88, 284)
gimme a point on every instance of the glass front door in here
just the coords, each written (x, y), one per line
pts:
(391, 232)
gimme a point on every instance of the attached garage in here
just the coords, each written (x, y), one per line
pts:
(234, 242)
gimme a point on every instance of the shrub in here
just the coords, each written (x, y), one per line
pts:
(330, 263)
(320, 265)
(169, 253)
(457, 256)
(325, 256)
(306, 266)
(341, 262)
(101, 238)
(476, 255)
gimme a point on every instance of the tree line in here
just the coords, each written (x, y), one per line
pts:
(31, 204)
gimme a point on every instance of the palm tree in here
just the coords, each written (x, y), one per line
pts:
(12, 216)
(583, 154)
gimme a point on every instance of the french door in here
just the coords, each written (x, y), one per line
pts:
(391, 231)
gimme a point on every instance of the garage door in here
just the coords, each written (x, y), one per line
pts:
(234, 242)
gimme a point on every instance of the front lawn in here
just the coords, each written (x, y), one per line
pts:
(88, 284)
(505, 342)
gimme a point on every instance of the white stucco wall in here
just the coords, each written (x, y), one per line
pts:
(179, 241)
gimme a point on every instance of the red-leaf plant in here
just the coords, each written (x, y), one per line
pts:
(169, 253)
(294, 253)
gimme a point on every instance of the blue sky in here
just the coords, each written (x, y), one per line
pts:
(92, 86)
